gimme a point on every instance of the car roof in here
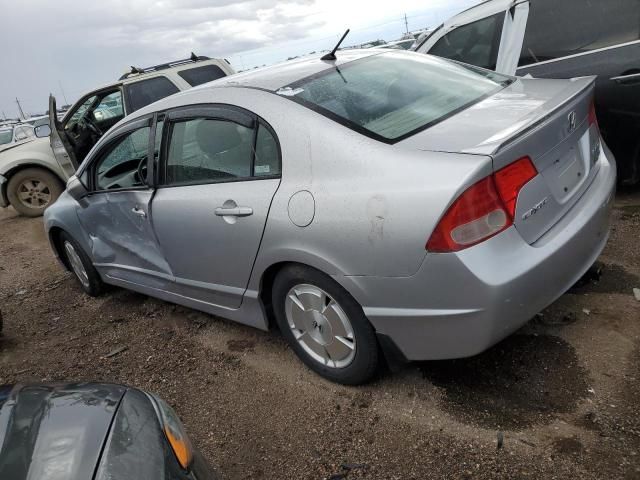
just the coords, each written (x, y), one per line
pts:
(163, 72)
(282, 74)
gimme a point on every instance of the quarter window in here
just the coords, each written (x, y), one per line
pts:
(199, 75)
(206, 150)
(142, 93)
(267, 161)
(557, 29)
(476, 43)
(125, 161)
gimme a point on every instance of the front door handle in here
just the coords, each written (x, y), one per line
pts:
(627, 78)
(138, 211)
(234, 211)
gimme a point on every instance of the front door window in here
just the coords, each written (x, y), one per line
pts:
(124, 166)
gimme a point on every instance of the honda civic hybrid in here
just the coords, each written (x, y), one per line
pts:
(381, 205)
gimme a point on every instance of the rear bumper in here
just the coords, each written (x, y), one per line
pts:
(460, 304)
(4, 201)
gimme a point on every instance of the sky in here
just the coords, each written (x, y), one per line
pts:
(68, 47)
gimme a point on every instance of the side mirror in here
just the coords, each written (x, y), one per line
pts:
(42, 131)
(76, 189)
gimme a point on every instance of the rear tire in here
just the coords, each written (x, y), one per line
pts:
(81, 266)
(325, 326)
(32, 190)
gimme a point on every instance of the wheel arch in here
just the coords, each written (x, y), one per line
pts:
(24, 166)
(55, 241)
(265, 290)
(268, 276)
(393, 357)
(31, 164)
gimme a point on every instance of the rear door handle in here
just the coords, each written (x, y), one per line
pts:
(630, 78)
(138, 211)
(234, 211)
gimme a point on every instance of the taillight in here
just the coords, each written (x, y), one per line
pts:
(510, 179)
(483, 210)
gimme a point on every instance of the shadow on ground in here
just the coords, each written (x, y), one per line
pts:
(606, 278)
(524, 380)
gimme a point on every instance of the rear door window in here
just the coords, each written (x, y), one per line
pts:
(476, 43)
(199, 75)
(142, 93)
(557, 29)
(207, 151)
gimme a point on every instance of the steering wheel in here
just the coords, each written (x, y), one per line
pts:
(92, 126)
(141, 172)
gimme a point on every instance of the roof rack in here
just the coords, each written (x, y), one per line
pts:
(163, 66)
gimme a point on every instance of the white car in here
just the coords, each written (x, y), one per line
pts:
(13, 135)
(32, 176)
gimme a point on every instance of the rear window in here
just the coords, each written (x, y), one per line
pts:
(142, 93)
(392, 96)
(199, 75)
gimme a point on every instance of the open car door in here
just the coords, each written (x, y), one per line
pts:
(60, 145)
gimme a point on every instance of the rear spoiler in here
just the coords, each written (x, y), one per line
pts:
(495, 145)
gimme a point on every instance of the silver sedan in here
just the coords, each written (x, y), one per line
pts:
(383, 206)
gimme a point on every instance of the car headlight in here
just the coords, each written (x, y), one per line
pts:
(175, 434)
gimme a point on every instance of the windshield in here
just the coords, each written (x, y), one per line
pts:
(77, 115)
(5, 136)
(392, 96)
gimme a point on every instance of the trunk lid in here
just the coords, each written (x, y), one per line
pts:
(545, 120)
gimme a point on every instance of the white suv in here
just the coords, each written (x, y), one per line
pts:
(32, 176)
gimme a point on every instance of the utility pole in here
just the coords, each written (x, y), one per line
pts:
(4, 116)
(63, 95)
(24, 117)
(406, 24)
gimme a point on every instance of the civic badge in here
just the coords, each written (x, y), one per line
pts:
(572, 121)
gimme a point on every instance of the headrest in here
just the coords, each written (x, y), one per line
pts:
(215, 136)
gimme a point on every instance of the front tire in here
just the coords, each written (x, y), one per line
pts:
(325, 326)
(32, 190)
(81, 266)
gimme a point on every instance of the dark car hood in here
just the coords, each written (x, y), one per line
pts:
(54, 431)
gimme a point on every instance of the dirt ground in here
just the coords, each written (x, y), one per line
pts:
(559, 399)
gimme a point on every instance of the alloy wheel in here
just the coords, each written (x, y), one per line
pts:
(76, 264)
(34, 194)
(320, 325)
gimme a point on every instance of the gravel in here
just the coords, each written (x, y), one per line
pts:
(559, 399)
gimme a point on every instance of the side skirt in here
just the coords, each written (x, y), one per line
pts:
(249, 313)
